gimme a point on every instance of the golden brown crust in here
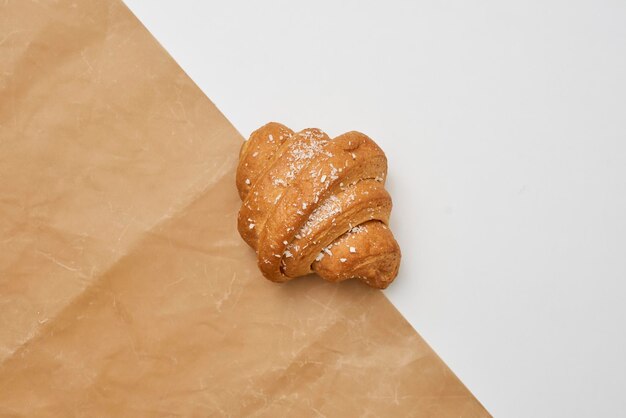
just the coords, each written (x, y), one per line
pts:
(375, 262)
(257, 151)
(305, 194)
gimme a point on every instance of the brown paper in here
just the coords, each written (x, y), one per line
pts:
(124, 287)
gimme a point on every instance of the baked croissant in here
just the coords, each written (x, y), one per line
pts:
(316, 204)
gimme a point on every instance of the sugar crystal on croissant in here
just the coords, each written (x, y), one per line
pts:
(316, 204)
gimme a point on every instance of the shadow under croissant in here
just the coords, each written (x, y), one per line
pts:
(312, 282)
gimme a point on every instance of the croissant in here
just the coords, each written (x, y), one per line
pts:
(316, 204)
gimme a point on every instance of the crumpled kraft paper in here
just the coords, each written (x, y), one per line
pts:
(124, 288)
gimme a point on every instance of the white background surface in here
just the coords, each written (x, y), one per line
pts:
(505, 128)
